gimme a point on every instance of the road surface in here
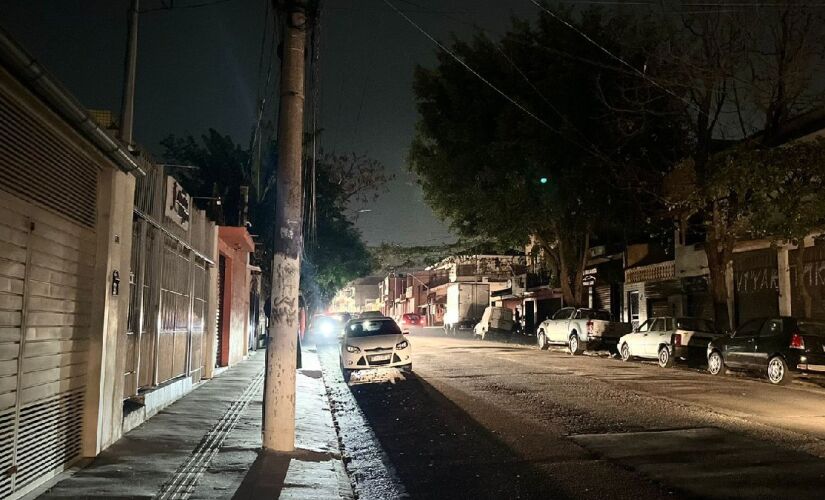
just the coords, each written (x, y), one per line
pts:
(496, 420)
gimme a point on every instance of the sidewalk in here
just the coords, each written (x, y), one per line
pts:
(207, 445)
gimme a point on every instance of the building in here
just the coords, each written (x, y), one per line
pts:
(109, 279)
(359, 295)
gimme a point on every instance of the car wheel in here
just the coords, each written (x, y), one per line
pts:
(575, 345)
(347, 374)
(542, 340)
(625, 352)
(778, 373)
(665, 359)
(716, 365)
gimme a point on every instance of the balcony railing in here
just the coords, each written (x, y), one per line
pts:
(653, 272)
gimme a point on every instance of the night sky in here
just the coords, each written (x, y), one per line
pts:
(199, 68)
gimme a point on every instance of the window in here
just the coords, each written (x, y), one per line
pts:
(695, 325)
(669, 324)
(565, 313)
(369, 328)
(593, 314)
(645, 327)
(750, 328)
(658, 325)
(771, 327)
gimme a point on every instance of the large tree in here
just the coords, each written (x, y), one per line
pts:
(334, 252)
(570, 173)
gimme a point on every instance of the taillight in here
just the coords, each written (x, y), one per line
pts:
(797, 342)
(589, 327)
(677, 340)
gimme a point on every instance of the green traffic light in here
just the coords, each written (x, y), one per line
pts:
(543, 180)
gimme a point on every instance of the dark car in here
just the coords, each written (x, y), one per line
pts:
(775, 346)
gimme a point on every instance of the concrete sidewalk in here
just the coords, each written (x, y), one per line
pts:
(208, 445)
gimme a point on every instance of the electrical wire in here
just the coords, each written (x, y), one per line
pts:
(468, 68)
(637, 71)
(172, 6)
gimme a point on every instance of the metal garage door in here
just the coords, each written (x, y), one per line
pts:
(46, 264)
(48, 200)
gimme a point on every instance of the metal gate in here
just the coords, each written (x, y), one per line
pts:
(48, 212)
(45, 312)
(170, 266)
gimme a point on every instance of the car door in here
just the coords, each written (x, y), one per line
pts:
(635, 340)
(661, 335)
(740, 348)
(651, 338)
(772, 338)
(558, 325)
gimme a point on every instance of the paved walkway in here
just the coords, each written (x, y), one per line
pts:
(208, 445)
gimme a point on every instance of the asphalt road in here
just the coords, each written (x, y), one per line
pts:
(495, 420)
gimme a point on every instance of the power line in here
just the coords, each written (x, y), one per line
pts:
(172, 6)
(638, 72)
(467, 66)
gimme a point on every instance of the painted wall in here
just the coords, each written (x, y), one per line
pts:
(235, 245)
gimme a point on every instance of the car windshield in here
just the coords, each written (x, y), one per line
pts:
(411, 317)
(593, 314)
(815, 328)
(695, 325)
(373, 327)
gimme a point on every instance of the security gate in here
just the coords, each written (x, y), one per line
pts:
(46, 264)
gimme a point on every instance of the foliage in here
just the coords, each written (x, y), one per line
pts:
(334, 253)
(480, 158)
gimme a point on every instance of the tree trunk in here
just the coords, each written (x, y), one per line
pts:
(807, 300)
(719, 249)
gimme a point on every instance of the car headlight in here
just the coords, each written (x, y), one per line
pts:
(327, 328)
(353, 349)
(402, 345)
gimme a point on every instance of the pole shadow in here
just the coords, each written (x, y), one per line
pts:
(439, 451)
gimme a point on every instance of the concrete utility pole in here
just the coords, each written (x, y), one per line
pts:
(279, 388)
(127, 110)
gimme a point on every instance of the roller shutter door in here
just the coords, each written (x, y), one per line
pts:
(46, 264)
(48, 200)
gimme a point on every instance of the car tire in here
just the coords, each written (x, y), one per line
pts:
(575, 345)
(665, 359)
(716, 364)
(542, 340)
(778, 372)
(347, 374)
(625, 352)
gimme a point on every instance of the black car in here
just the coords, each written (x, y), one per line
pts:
(775, 346)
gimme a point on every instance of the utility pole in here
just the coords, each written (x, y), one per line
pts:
(281, 350)
(127, 110)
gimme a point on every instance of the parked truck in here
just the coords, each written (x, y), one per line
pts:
(466, 303)
(581, 329)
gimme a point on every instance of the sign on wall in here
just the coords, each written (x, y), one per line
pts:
(177, 203)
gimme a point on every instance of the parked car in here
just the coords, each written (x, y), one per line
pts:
(325, 329)
(496, 321)
(777, 347)
(374, 343)
(411, 320)
(667, 338)
(581, 329)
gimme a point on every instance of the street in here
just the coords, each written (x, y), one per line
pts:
(495, 420)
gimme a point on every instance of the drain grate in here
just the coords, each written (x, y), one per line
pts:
(186, 477)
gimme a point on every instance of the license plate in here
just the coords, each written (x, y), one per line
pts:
(380, 357)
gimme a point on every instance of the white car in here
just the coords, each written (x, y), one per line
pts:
(374, 343)
(667, 338)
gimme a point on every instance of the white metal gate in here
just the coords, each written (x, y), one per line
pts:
(46, 265)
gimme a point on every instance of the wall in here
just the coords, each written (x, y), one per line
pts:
(235, 244)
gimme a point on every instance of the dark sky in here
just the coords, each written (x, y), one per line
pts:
(198, 68)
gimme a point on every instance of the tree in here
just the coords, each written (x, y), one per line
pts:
(334, 252)
(481, 158)
(745, 73)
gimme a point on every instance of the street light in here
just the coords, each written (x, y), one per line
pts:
(217, 199)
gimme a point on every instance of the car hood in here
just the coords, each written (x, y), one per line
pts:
(374, 341)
